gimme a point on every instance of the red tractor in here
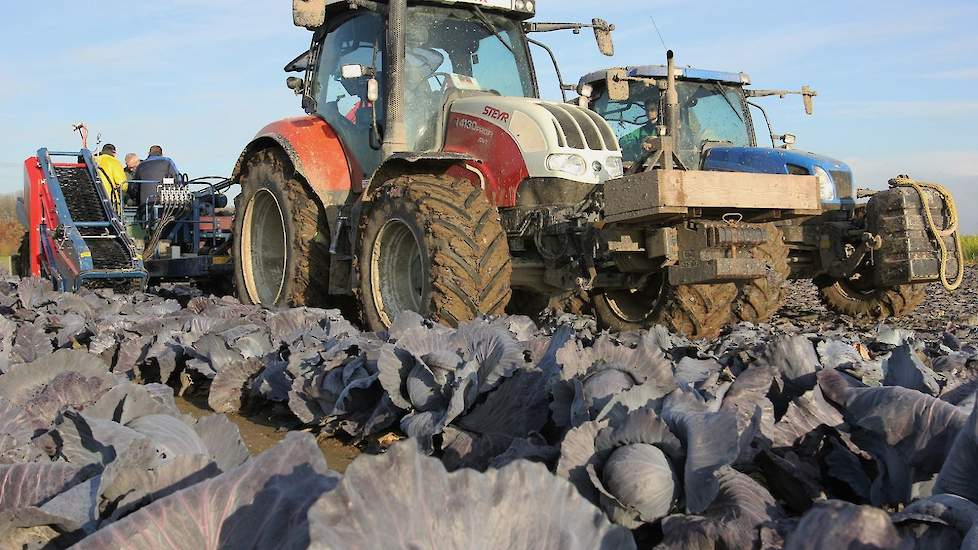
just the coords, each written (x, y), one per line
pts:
(428, 177)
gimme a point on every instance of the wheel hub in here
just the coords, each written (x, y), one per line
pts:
(264, 249)
(397, 272)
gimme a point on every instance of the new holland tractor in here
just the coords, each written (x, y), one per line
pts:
(427, 176)
(870, 260)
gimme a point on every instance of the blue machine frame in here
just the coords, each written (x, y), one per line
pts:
(183, 231)
(69, 277)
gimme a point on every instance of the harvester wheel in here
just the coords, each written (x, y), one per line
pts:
(873, 303)
(759, 299)
(696, 311)
(434, 245)
(281, 237)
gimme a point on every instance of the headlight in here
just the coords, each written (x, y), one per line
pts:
(615, 167)
(826, 187)
(574, 165)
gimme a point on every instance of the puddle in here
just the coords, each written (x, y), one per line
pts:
(262, 431)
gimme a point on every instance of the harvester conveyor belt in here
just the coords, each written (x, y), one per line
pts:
(88, 241)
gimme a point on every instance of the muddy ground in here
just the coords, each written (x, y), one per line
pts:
(260, 431)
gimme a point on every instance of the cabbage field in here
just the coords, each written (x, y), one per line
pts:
(809, 432)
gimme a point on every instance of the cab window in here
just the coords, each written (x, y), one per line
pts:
(343, 103)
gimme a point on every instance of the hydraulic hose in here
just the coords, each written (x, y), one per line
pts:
(937, 233)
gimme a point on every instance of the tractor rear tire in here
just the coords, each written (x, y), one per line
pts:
(694, 311)
(873, 304)
(434, 245)
(759, 299)
(281, 236)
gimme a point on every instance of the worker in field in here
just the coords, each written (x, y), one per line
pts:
(132, 161)
(113, 176)
(154, 168)
(631, 144)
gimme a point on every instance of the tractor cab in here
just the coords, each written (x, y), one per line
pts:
(451, 50)
(715, 129)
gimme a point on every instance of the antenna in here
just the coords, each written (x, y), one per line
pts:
(662, 40)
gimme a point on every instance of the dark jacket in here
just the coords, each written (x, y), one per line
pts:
(155, 170)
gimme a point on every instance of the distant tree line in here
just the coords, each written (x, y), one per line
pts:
(11, 232)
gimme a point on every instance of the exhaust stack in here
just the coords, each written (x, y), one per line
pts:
(395, 139)
(668, 143)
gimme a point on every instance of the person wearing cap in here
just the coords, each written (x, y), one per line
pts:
(113, 176)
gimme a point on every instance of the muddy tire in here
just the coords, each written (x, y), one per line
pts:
(872, 304)
(434, 245)
(695, 311)
(281, 236)
(758, 300)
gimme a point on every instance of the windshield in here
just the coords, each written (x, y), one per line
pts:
(457, 49)
(709, 112)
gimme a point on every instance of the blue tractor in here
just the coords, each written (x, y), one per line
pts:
(870, 259)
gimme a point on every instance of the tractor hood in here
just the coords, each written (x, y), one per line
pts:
(835, 177)
(554, 140)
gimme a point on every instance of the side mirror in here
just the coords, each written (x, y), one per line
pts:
(310, 14)
(807, 94)
(354, 71)
(617, 84)
(296, 84)
(788, 140)
(602, 33)
(300, 64)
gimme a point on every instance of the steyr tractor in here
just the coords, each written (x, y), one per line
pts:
(427, 176)
(870, 260)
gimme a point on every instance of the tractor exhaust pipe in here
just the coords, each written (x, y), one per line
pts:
(395, 138)
(672, 113)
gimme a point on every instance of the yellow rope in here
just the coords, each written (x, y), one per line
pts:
(938, 233)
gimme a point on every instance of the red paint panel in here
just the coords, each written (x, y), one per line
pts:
(317, 152)
(222, 223)
(41, 209)
(33, 188)
(502, 161)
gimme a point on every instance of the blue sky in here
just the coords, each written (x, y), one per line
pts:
(897, 80)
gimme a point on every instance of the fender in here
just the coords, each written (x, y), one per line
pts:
(493, 146)
(317, 154)
(400, 164)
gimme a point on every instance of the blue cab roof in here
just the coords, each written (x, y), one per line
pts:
(688, 73)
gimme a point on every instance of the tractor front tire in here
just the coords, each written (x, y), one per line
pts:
(759, 299)
(694, 311)
(281, 236)
(433, 245)
(873, 304)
